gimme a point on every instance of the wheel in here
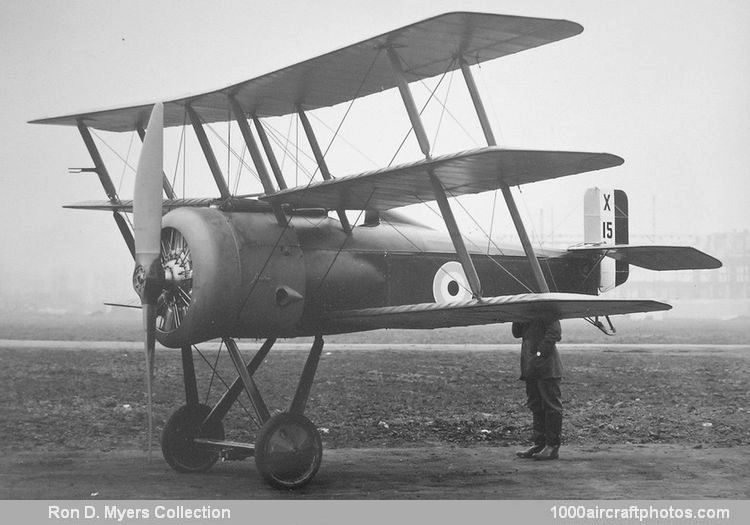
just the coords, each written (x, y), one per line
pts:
(288, 451)
(177, 444)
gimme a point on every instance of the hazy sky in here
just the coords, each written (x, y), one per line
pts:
(662, 84)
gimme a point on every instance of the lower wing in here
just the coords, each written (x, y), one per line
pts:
(488, 310)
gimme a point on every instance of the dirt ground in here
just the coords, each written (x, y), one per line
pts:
(439, 472)
(642, 422)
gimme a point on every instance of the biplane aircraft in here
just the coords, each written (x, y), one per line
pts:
(289, 263)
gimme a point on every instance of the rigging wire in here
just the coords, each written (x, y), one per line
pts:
(492, 220)
(113, 150)
(537, 239)
(490, 257)
(229, 145)
(124, 167)
(285, 148)
(288, 223)
(442, 111)
(451, 115)
(239, 169)
(348, 109)
(215, 372)
(277, 139)
(424, 106)
(496, 125)
(233, 152)
(296, 151)
(348, 143)
(180, 151)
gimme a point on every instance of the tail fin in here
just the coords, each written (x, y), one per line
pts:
(606, 233)
(606, 224)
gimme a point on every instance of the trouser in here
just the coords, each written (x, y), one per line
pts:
(543, 399)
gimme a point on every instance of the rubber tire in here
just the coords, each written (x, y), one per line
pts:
(288, 469)
(177, 445)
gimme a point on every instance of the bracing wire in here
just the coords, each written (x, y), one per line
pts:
(538, 240)
(285, 147)
(277, 139)
(452, 116)
(424, 106)
(110, 148)
(215, 372)
(442, 111)
(239, 169)
(233, 152)
(490, 257)
(288, 223)
(180, 151)
(355, 148)
(125, 166)
(349, 108)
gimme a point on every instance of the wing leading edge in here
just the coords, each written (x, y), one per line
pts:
(489, 310)
(473, 171)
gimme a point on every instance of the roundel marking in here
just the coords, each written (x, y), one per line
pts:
(449, 284)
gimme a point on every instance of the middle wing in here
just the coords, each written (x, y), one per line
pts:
(489, 310)
(473, 171)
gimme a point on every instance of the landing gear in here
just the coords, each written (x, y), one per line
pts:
(288, 451)
(178, 439)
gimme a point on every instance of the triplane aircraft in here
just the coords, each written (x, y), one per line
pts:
(277, 266)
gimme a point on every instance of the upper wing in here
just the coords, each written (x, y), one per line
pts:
(463, 173)
(487, 311)
(427, 48)
(655, 257)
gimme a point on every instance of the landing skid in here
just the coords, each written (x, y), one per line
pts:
(288, 451)
(607, 330)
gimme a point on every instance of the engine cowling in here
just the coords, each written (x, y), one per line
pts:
(228, 274)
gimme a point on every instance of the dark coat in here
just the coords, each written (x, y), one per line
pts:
(539, 356)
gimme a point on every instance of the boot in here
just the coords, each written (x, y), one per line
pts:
(549, 452)
(537, 436)
(530, 452)
(552, 431)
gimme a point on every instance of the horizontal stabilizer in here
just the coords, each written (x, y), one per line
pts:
(655, 257)
(489, 310)
(427, 48)
(473, 171)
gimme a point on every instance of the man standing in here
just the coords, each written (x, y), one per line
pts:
(542, 370)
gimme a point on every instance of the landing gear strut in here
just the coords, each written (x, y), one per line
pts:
(288, 450)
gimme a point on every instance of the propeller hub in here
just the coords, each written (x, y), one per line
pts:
(139, 280)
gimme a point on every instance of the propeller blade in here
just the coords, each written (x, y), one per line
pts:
(149, 275)
(147, 194)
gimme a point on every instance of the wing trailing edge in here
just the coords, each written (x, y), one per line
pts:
(658, 258)
(501, 309)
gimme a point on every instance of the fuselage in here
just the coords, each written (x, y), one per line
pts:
(255, 278)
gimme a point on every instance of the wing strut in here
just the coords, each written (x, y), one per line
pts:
(195, 120)
(541, 282)
(269, 153)
(252, 147)
(437, 187)
(107, 184)
(321, 163)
